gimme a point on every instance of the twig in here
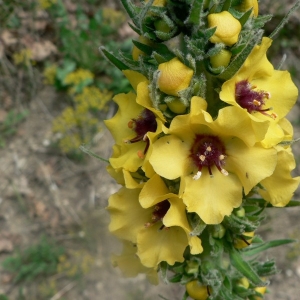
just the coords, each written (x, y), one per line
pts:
(67, 288)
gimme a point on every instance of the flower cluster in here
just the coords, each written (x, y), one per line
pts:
(202, 145)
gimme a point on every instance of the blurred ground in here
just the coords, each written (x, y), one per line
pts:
(43, 193)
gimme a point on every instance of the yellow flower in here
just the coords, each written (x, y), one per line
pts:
(159, 231)
(174, 77)
(50, 74)
(22, 57)
(261, 290)
(196, 290)
(213, 160)
(266, 94)
(228, 28)
(158, 2)
(130, 264)
(78, 76)
(248, 4)
(279, 188)
(135, 126)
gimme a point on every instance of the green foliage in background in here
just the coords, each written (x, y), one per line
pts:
(9, 125)
(41, 259)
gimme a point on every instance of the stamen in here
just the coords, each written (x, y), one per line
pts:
(221, 157)
(224, 172)
(140, 154)
(197, 176)
(208, 149)
(256, 103)
(202, 157)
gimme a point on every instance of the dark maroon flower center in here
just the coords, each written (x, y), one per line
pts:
(208, 151)
(144, 123)
(160, 210)
(252, 100)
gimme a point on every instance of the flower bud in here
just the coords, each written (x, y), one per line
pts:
(218, 231)
(158, 2)
(246, 5)
(228, 28)
(261, 290)
(221, 59)
(243, 243)
(176, 106)
(196, 290)
(162, 26)
(192, 267)
(240, 212)
(136, 52)
(243, 282)
(174, 77)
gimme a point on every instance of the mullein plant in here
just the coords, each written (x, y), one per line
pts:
(202, 146)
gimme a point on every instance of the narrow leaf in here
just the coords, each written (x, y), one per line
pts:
(89, 152)
(244, 267)
(284, 20)
(238, 61)
(256, 249)
(119, 64)
(195, 13)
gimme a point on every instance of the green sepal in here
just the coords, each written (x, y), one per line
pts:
(260, 21)
(245, 17)
(134, 28)
(243, 266)
(176, 278)
(164, 270)
(226, 5)
(239, 60)
(195, 14)
(130, 8)
(185, 296)
(143, 47)
(186, 278)
(197, 224)
(255, 249)
(265, 269)
(111, 57)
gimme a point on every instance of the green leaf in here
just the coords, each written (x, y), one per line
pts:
(119, 64)
(239, 60)
(89, 152)
(195, 14)
(244, 267)
(284, 20)
(256, 249)
(131, 9)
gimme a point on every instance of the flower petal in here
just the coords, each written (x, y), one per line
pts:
(127, 216)
(170, 157)
(130, 264)
(156, 245)
(280, 186)
(212, 198)
(134, 78)
(250, 164)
